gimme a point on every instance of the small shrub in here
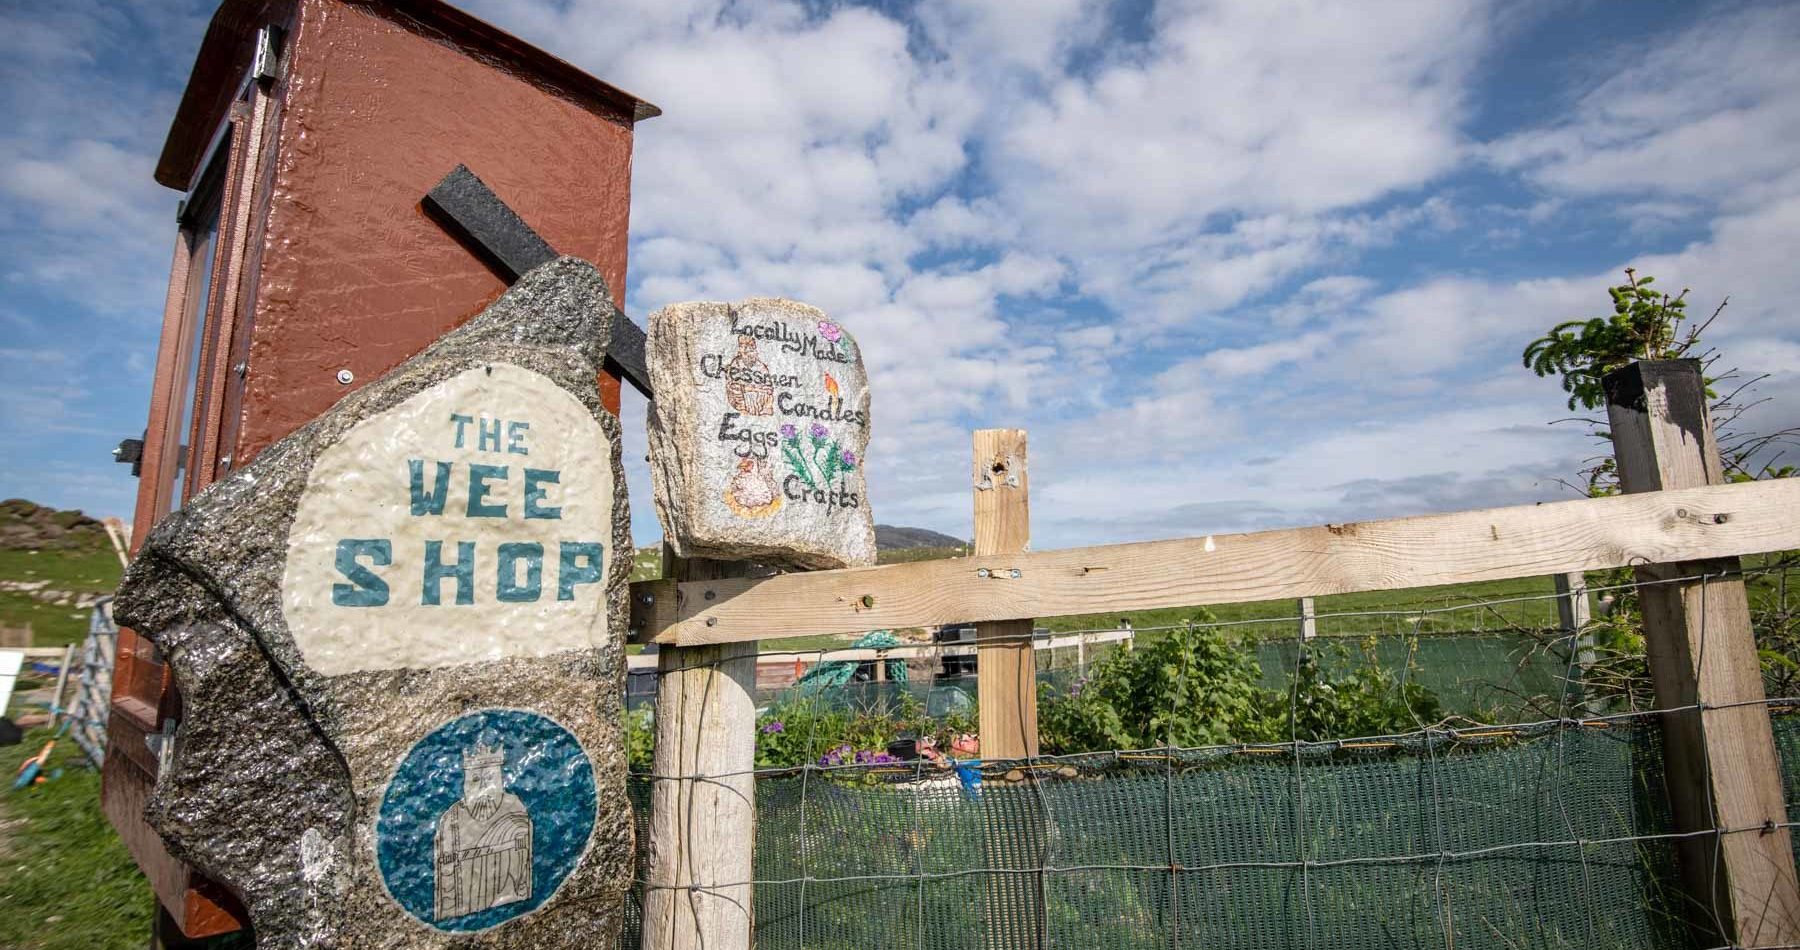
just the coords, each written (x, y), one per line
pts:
(1201, 686)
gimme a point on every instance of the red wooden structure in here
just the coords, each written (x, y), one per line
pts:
(305, 265)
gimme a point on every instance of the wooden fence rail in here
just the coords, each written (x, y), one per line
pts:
(1585, 534)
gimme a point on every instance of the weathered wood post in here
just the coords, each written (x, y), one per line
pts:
(1309, 619)
(1006, 669)
(703, 803)
(1007, 683)
(1723, 771)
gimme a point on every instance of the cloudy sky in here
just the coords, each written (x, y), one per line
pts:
(1234, 265)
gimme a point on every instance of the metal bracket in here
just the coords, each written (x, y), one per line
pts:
(267, 63)
(466, 207)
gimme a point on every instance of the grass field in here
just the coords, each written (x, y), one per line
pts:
(81, 572)
(66, 881)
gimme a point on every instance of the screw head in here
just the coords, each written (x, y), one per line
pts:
(1015, 573)
(983, 572)
(712, 621)
(346, 377)
(711, 595)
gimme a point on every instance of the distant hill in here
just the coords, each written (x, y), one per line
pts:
(892, 537)
(53, 566)
(26, 526)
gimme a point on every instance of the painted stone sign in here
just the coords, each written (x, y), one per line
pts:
(472, 522)
(398, 636)
(759, 434)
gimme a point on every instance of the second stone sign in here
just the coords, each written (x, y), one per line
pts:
(758, 434)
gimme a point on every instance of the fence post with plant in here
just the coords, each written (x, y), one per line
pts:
(1724, 775)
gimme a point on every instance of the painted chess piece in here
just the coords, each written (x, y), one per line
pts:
(483, 842)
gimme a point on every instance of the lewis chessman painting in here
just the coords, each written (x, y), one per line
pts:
(759, 434)
(483, 841)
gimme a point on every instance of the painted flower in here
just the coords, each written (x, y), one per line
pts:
(773, 726)
(849, 459)
(830, 331)
(831, 384)
(788, 431)
(818, 431)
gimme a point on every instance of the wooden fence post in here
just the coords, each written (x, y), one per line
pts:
(1722, 767)
(703, 803)
(1574, 612)
(1007, 670)
(1309, 619)
(1007, 683)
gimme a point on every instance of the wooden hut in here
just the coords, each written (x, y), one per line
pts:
(305, 265)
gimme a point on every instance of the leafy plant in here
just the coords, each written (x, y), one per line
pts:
(807, 728)
(1371, 699)
(1196, 686)
(1200, 686)
(1646, 324)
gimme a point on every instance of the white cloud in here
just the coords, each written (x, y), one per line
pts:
(1704, 115)
(1145, 232)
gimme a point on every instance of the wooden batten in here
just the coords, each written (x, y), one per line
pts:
(1396, 554)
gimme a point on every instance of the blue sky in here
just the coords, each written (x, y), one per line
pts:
(1234, 265)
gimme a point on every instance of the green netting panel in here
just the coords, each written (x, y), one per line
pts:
(1453, 845)
(1786, 720)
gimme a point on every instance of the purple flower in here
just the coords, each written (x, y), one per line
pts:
(849, 459)
(818, 431)
(830, 331)
(773, 726)
(788, 431)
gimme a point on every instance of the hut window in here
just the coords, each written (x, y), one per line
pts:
(200, 227)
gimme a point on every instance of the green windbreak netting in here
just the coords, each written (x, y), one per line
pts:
(1513, 837)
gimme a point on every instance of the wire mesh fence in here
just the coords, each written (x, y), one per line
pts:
(1530, 812)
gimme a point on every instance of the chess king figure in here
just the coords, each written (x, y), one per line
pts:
(483, 843)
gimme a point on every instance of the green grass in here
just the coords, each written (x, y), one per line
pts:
(1491, 605)
(66, 881)
(903, 555)
(84, 572)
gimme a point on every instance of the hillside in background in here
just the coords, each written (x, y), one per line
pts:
(893, 537)
(893, 545)
(53, 566)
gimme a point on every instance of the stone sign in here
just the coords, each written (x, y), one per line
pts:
(759, 434)
(398, 636)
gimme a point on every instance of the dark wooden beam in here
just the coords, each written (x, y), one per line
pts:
(474, 215)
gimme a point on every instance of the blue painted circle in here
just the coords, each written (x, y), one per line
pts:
(545, 768)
